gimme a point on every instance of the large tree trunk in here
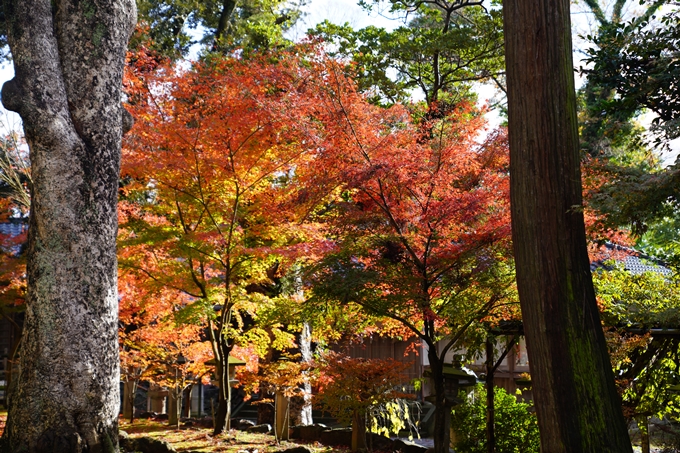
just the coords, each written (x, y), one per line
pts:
(576, 402)
(69, 58)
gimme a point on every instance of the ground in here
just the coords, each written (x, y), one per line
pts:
(200, 439)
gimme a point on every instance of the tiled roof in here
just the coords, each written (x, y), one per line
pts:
(635, 265)
(634, 261)
(13, 228)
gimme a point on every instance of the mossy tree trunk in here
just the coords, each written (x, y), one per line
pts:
(68, 58)
(576, 402)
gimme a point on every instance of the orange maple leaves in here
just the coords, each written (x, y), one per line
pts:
(237, 164)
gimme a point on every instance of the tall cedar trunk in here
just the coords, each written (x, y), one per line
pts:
(442, 412)
(576, 402)
(68, 59)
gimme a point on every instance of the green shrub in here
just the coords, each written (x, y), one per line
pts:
(516, 429)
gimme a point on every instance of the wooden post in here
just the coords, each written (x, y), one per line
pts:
(282, 408)
(173, 409)
(128, 399)
(358, 432)
(157, 401)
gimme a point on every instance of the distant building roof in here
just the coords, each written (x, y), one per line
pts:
(9, 230)
(13, 228)
(633, 261)
(635, 265)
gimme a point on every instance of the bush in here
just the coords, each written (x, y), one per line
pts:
(516, 428)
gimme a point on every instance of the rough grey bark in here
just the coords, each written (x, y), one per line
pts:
(576, 402)
(68, 58)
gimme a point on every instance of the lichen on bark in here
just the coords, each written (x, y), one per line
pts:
(68, 93)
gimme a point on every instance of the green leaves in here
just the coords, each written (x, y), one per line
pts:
(645, 366)
(227, 24)
(435, 55)
(639, 63)
(645, 300)
(516, 427)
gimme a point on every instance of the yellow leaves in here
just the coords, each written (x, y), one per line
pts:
(286, 375)
(389, 418)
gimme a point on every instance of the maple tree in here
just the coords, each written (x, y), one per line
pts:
(417, 216)
(155, 346)
(207, 167)
(350, 388)
(407, 216)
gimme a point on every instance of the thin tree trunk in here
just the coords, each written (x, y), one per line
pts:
(576, 402)
(174, 403)
(643, 426)
(306, 357)
(223, 414)
(186, 411)
(129, 394)
(442, 412)
(358, 432)
(490, 433)
(68, 58)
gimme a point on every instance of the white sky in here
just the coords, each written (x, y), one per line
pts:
(339, 12)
